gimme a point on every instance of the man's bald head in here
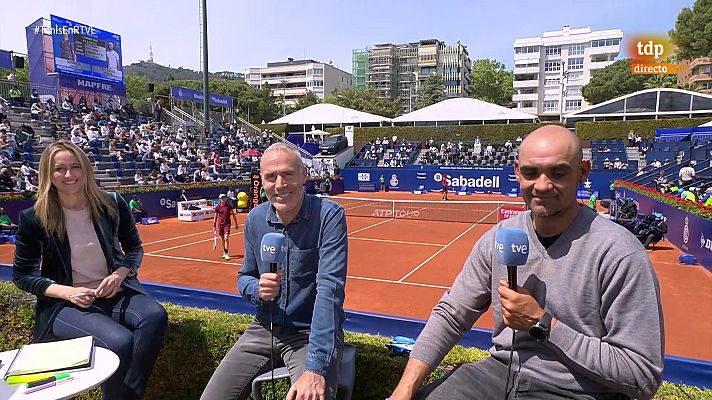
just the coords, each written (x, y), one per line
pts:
(554, 138)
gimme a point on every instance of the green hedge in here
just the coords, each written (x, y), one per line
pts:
(489, 132)
(198, 339)
(644, 127)
(276, 128)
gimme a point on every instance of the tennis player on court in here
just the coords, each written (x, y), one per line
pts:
(221, 222)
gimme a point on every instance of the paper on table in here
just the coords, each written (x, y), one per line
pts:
(52, 356)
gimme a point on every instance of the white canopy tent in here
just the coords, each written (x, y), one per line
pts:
(329, 114)
(464, 109)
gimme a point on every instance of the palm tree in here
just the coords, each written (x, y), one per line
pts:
(693, 87)
(661, 81)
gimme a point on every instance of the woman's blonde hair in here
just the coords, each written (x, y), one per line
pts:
(48, 208)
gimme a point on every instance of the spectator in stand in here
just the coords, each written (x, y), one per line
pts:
(138, 177)
(37, 111)
(136, 207)
(631, 138)
(6, 182)
(660, 181)
(34, 97)
(687, 173)
(153, 178)
(656, 164)
(14, 97)
(109, 107)
(7, 145)
(159, 110)
(617, 163)
(607, 164)
(27, 169)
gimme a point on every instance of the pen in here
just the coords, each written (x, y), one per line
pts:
(79, 294)
(48, 385)
(47, 380)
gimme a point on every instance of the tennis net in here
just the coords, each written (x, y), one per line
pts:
(484, 212)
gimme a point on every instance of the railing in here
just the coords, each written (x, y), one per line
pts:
(304, 153)
(174, 117)
(187, 115)
(45, 92)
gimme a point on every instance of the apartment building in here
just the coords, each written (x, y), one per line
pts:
(697, 71)
(550, 70)
(293, 79)
(398, 71)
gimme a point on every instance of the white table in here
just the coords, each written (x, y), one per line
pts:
(105, 364)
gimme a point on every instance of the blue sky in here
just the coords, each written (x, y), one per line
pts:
(251, 33)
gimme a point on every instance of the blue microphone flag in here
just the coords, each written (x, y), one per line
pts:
(273, 247)
(511, 245)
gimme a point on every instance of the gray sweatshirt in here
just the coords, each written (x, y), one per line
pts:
(596, 280)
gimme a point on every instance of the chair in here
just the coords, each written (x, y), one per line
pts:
(347, 374)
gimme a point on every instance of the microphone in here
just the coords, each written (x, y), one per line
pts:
(511, 246)
(273, 249)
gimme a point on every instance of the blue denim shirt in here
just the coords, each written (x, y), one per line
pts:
(314, 274)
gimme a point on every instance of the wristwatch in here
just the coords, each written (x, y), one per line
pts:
(540, 330)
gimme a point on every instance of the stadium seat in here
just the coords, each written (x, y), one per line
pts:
(347, 374)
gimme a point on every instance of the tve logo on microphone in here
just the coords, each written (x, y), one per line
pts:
(273, 247)
(511, 246)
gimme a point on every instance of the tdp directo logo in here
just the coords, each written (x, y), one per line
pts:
(649, 53)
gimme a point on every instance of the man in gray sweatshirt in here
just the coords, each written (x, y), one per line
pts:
(587, 318)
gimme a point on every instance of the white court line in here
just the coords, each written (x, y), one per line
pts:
(188, 244)
(176, 237)
(446, 246)
(397, 282)
(192, 259)
(398, 241)
(371, 226)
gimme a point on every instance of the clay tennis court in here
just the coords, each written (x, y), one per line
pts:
(401, 267)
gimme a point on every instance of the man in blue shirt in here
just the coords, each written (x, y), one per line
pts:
(306, 294)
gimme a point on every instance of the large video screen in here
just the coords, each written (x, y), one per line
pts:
(81, 49)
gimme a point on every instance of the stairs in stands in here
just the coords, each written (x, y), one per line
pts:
(587, 153)
(386, 156)
(633, 155)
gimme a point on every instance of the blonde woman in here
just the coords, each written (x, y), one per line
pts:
(87, 283)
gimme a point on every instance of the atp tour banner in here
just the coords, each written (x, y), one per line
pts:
(196, 96)
(480, 179)
(84, 50)
(690, 233)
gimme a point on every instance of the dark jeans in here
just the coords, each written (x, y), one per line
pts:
(486, 379)
(138, 214)
(132, 325)
(250, 357)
